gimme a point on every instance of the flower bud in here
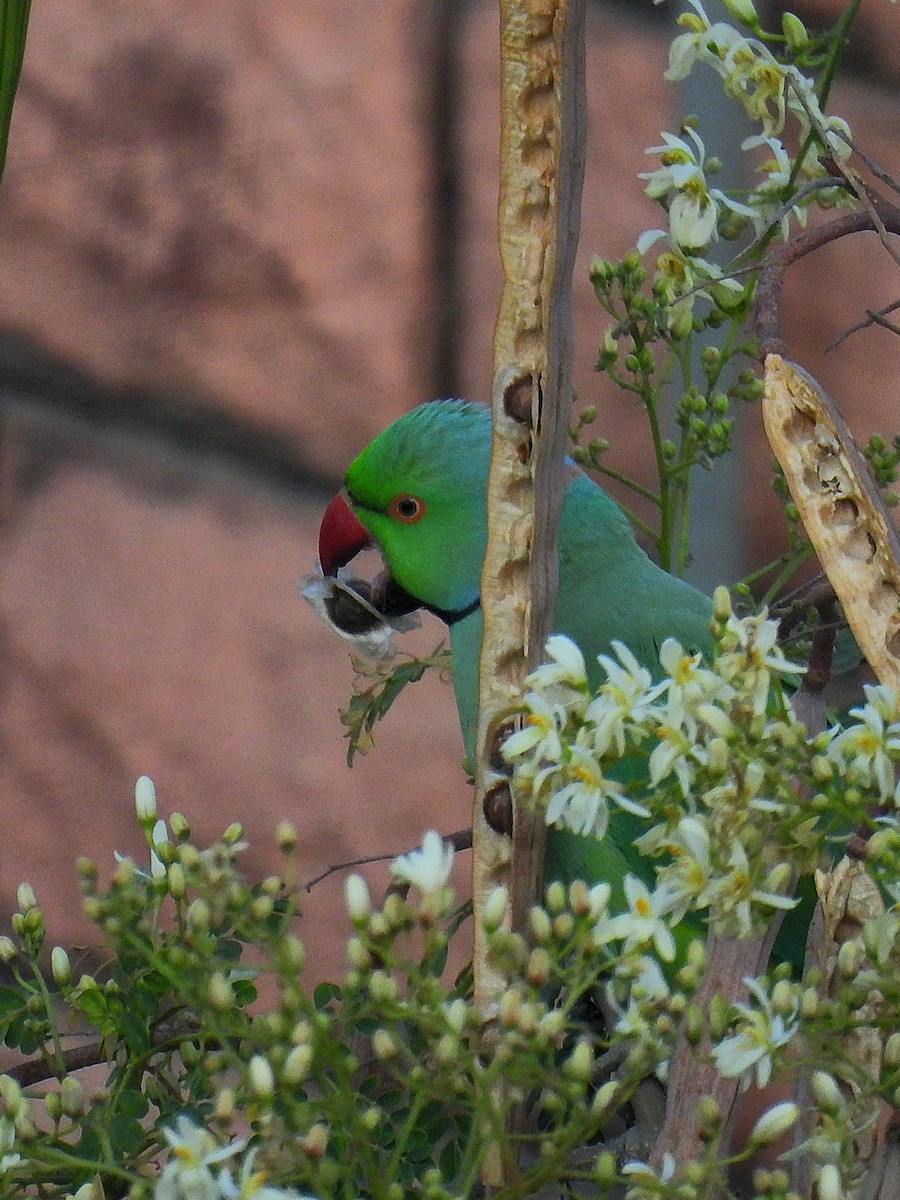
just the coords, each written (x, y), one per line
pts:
(579, 898)
(316, 1141)
(446, 1050)
(176, 881)
(145, 801)
(563, 926)
(743, 11)
(456, 1012)
(60, 968)
(178, 823)
(541, 928)
(221, 995)
(8, 951)
(604, 1098)
(556, 897)
(262, 1079)
(359, 902)
(382, 988)
(539, 967)
(233, 833)
(71, 1096)
(293, 952)
(783, 997)
(721, 603)
(774, 1122)
(225, 1105)
(495, 909)
(794, 31)
(25, 898)
(285, 836)
(358, 955)
(892, 1050)
(508, 1007)
(851, 957)
(580, 1063)
(383, 1044)
(198, 916)
(261, 908)
(297, 1064)
(826, 1092)
(371, 1119)
(828, 1183)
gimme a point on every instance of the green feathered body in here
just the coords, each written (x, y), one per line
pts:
(608, 587)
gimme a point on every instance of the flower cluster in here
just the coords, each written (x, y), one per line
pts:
(770, 91)
(189, 1173)
(704, 801)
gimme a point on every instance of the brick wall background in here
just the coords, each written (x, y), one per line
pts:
(234, 242)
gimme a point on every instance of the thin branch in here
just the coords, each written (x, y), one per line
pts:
(771, 276)
(871, 318)
(461, 840)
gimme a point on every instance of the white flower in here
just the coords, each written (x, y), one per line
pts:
(541, 733)
(252, 1184)
(644, 1182)
(732, 894)
(643, 923)
(872, 746)
(689, 874)
(623, 703)
(194, 1151)
(582, 803)
(676, 753)
(685, 278)
(757, 637)
(427, 869)
(566, 666)
(692, 684)
(768, 196)
(693, 211)
(761, 1031)
(8, 1157)
(646, 983)
(751, 655)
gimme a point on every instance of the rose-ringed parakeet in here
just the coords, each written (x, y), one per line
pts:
(417, 493)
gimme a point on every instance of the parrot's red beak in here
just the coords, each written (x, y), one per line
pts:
(341, 537)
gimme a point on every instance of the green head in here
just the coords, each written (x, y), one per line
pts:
(419, 490)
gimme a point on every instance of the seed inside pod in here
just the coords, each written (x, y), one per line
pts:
(349, 606)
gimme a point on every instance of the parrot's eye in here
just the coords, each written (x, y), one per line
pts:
(406, 508)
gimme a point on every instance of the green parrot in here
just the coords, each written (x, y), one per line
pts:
(417, 493)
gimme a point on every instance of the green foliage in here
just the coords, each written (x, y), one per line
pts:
(220, 1074)
(224, 1075)
(378, 685)
(389, 1084)
(643, 352)
(13, 24)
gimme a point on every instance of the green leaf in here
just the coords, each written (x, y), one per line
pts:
(133, 1103)
(135, 1032)
(368, 705)
(244, 992)
(324, 994)
(13, 23)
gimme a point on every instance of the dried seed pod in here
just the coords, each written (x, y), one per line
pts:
(841, 509)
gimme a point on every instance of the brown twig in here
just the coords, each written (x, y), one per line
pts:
(880, 211)
(461, 840)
